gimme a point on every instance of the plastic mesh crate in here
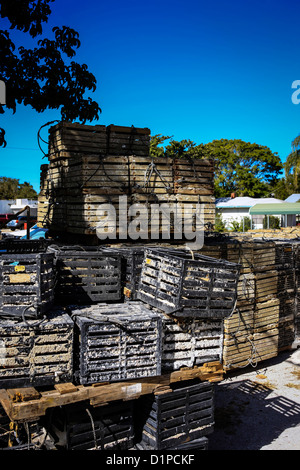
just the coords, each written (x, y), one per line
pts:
(12, 245)
(190, 342)
(36, 353)
(171, 419)
(185, 284)
(26, 284)
(86, 275)
(83, 427)
(132, 261)
(117, 342)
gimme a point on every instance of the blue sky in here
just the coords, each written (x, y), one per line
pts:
(189, 69)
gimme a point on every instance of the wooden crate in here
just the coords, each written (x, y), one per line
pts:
(73, 137)
(117, 342)
(26, 284)
(252, 255)
(193, 176)
(238, 349)
(36, 353)
(132, 140)
(187, 285)
(184, 414)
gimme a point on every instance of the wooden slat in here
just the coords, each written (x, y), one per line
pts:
(35, 408)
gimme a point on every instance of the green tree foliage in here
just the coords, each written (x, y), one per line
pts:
(292, 165)
(246, 169)
(175, 149)
(11, 188)
(274, 222)
(43, 77)
(219, 223)
(243, 168)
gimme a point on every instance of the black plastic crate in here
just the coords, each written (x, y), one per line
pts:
(86, 275)
(170, 420)
(132, 261)
(12, 245)
(80, 426)
(116, 342)
(187, 284)
(26, 284)
(196, 445)
(36, 353)
(190, 342)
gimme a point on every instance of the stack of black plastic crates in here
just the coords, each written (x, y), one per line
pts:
(36, 338)
(113, 341)
(192, 294)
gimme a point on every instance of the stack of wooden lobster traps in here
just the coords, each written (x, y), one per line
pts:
(93, 166)
(265, 317)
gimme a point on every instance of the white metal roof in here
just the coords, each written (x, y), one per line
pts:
(293, 198)
(244, 202)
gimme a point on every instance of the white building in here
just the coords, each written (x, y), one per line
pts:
(237, 208)
(19, 204)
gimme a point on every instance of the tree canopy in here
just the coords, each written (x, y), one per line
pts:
(243, 168)
(247, 169)
(11, 188)
(43, 77)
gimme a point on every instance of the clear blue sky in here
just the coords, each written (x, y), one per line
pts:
(190, 69)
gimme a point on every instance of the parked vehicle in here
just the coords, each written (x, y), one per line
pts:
(36, 233)
(4, 219)
(20, 222)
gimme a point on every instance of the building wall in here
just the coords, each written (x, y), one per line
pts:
(230, 215)
(5, 206)
(237, 214)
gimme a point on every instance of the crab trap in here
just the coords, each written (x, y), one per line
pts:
(36, 352)
(168, 420)
(116, 342)
(86, 275)
(188, 285)
(26, 284)
(80, 426)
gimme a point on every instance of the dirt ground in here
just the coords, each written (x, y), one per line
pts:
(259, 408)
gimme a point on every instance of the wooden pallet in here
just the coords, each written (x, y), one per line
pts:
(30, 404)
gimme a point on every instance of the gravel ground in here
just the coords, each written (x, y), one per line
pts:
(259, 408)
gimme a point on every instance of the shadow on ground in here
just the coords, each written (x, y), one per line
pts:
(250, 415)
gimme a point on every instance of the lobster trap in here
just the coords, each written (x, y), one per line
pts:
(80, 426)
(26, 284)
(190, 342)
(116, 342)
(185, 414)
(86, 275)
(132, 260)
(36, 353)
(188, 285)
